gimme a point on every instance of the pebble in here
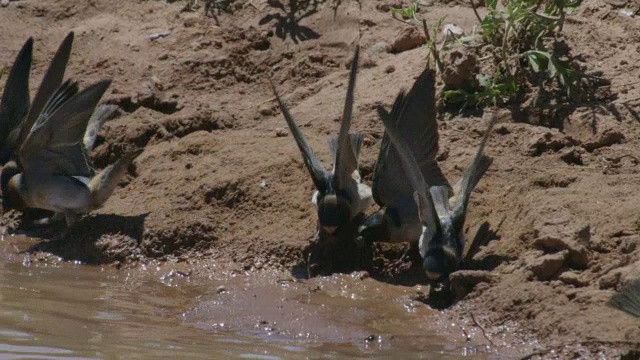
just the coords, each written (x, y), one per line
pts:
(281, 132)
(4, 3)
(389, 69)
(546, 266)
(266, 110)
(380, 47)
(408, 38)
(221, 289)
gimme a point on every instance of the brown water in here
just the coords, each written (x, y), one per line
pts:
(55, 310)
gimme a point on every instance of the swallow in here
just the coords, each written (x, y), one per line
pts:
(415, 120)
(441, 209)
(628, 299)
(340, 195)
(15, 101)
(56, 173)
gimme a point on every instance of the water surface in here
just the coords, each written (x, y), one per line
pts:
(57, 310)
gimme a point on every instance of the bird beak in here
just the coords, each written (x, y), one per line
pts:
(330, 229)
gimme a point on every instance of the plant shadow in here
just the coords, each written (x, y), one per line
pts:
(288, 19)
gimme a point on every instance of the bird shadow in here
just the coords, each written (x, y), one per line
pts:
(96, 239)
(287, 21)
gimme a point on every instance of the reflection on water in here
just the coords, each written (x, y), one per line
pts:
(71, 311)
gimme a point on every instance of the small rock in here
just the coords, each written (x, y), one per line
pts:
(462, 67)
(159, 35)
(266, 110)
(573, 156)
(578, 254)
(408, 38)
(281, 132)
(4, 3)
(452, 29)
(610, 280)
(606, 138)
(360, 275)
(389, 69)
(380, 48)
(221, 289)
(464, 281)
(573, 278)
(546, 266)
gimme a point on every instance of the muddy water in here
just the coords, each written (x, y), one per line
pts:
(55, 310)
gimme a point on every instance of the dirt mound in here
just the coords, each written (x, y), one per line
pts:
(552, 230)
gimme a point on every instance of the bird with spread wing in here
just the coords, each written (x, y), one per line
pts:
(417, 202)
(45, 144)
(340, 195)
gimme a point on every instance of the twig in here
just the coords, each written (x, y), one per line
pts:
(475, 11)
(473, 318)
(434, 50)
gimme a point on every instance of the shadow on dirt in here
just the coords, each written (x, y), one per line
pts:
(288, 20)
(96, 239)
(396, 264)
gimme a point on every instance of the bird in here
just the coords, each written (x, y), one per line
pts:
(441, 209)
(413, 113)
(628, 299)
(340, 195)
(56, 173)
(14, 104)
(16, 111)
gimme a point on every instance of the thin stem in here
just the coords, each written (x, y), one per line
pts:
(475, 11)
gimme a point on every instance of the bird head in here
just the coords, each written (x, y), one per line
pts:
(333, 212)
(444, 252)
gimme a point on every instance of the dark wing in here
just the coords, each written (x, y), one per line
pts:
(346, 161)
(50, 83)
(628, 299)
(412, 171)
(415, 121)
(98, 118)
(55, 143)
(470, 179)
(356, 145)
(318, 174)
(14, 105)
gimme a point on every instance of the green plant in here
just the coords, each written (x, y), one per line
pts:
(512, 39)
(407, 13)
(516, 36)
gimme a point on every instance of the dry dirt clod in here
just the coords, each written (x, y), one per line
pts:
(408, 38)
(462, 68)
(578, 254)
(464, 281)
(266, 110)
(380, 47)
(389, 69)
(281, 132)
(573, 278)
(546, 266)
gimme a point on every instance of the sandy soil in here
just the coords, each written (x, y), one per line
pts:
(554, 221)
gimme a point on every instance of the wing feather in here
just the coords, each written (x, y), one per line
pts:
(49, 85)
(318, 174)
(55, 143)
(14, 104)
